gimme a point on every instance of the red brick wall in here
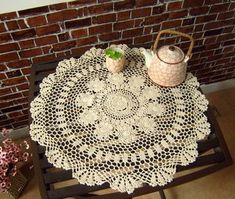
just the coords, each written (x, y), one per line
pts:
(41, 34)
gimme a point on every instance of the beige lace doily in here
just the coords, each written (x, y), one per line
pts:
(117, 128)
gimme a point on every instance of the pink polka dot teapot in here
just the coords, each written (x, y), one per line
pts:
(167, 66)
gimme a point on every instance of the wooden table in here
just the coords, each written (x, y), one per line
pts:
(213, 156)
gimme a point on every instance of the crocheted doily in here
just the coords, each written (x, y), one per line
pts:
(117, 128)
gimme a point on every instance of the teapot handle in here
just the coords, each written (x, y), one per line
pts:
(189, 53)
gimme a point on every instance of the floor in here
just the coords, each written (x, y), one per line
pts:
(220, 185)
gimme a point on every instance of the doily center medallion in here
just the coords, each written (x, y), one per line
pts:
(120, 104)
(120, 107)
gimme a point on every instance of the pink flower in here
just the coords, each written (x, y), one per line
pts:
(10, 155)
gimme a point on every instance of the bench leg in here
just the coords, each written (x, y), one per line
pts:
(162, 194)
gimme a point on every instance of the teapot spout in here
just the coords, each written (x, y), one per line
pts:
(148, 55)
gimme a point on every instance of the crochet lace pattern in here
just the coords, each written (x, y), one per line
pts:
(118, 128)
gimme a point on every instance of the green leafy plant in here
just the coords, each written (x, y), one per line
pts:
(114, 54)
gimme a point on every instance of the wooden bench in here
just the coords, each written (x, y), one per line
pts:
(213, 156)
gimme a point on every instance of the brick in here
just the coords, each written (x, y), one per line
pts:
(36, 21)
(78, 23)
(228, 29)
(124, 41)
(132, 32)
(126, 4)
(218, 24)
(79, 33)
(63, 46)
(123, 15)
(10, 109)
(3, 67)
(5, 91)
(8, 57)
(45, 58)
(23, 86)
(211, 2)
(62, 15)
(100, 29)
(9, 47)
(171, 24)
(22, 23)
(26, 71)
(64, 36)
(6, 122)
(174, 6)
(110, 36)
(23, 34)
(225, 37)
(210, 40)
(59, 6)
(85, 41)
(19, 64)
(179, 14)
(188, 21)
(199, 11)
(123, 25)
(142, 12)
(27, 44)
(42, 41)
(14, 73)
(12, 25)
(229, 42)
(81, 2)
(198, 28)
(104, 18)
(225, 15)
(206, 18)
(14, 114)
(30, 53)
(20, 124)
(219, 8)
(8, 16)
(5, 37)
(45, 30)
(143, 39)
(2, 76)
(159, 9)
(14, 81)
(213, 32)
(3, 117)
(33, 11)
(2, 27)
(155, 19)
(142, 3)
(99, 9)
(192, 3)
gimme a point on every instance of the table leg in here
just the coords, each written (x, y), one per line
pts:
(162, 194)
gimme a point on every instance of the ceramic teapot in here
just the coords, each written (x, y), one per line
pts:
(167, 66)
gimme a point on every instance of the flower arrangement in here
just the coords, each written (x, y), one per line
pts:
(11, 154)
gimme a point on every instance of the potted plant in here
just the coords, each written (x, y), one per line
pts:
(115, 59)
(12, 156)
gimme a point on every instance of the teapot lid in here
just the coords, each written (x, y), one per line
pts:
(170, 54)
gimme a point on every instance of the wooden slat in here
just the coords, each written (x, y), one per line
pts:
(58, 176)
(205, 160)
(44, 163)
(208, 144)
(74, 190)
